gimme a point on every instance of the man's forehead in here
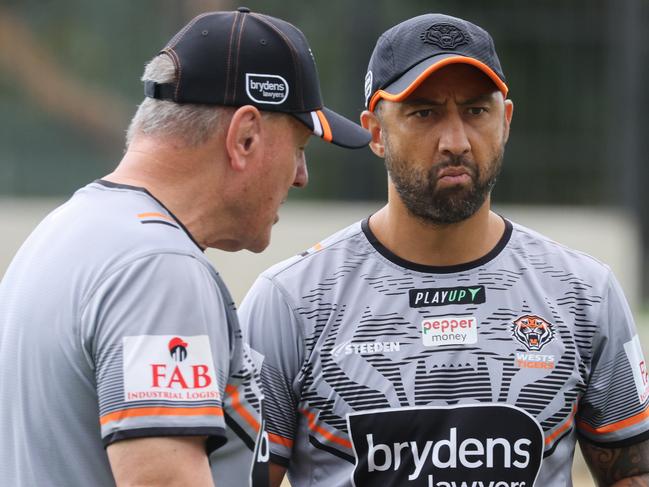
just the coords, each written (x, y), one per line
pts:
(456, 80)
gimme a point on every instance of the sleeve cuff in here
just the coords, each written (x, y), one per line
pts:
(215, 435)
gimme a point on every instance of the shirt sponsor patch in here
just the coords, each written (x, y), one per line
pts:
(449, 330)
(526, 360)
(349, 347)
(169, 367)
(266, 88)
(638, 365)
(442, 296)
(446, 446)
(533, 332)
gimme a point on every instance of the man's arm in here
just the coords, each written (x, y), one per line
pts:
(160, 461)
(618, 467)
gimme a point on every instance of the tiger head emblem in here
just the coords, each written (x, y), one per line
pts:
(533, 332)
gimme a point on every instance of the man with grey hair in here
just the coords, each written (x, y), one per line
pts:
(122, 357)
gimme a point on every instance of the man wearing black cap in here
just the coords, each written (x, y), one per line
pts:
(437, 343)
(122, 357)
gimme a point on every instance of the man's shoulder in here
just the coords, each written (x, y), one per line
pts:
(323, 255)
(116, 219)
(102, 229)
(543, 251)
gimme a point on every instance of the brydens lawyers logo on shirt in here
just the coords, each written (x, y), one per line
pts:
(168, 367)
(448, 446)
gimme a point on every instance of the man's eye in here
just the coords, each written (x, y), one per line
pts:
(423, 113)
(477, 110)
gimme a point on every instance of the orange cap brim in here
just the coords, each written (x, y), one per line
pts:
(404, 93)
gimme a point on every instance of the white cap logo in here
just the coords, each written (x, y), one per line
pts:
(368, 87)
(266, 88)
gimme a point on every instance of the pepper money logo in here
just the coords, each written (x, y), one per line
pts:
(446, 447)
(178, 349)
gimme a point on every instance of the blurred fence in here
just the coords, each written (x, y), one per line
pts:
(577, 70)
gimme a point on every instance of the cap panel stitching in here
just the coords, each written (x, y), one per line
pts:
(229, 62)
(236, 60)
(178, 37)
(293, 51)
(391, 54)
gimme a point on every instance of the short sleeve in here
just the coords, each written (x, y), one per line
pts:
(157, 334)
(614, 411)
(271, 328)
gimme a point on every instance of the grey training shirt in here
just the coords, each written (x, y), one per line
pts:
(382, 372)
(114, 325)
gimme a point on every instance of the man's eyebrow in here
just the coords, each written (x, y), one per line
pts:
(422, 101)
(484, 98)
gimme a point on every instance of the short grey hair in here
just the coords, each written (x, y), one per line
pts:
(192, 124)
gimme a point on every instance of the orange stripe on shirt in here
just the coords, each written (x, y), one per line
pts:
(609, 428)
(239, 408)
(326, 129)
(280, 440)
(155, 215)
(566, 425)
(324, 433)
(159, 411)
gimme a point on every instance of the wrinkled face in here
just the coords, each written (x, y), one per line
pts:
(282, 166)
(444, 144)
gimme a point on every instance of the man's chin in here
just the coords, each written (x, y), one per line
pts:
(261, 243)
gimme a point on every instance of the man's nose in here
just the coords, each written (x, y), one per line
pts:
(453, 138)
(301, 174)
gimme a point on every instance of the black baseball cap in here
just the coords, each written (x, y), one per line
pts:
(406, 54)
(245, 58)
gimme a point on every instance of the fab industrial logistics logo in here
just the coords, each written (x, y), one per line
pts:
(446, 447)
(169, 367)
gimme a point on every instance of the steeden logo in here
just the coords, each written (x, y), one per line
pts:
(269, 89)
(361, 348)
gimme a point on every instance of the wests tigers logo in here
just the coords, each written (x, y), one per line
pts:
(533, 331)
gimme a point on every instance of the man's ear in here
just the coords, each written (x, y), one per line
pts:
(243, 137)
(509, 112)
(370, 122)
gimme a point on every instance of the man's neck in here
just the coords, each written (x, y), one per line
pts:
(174, 185)
(436, 245)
